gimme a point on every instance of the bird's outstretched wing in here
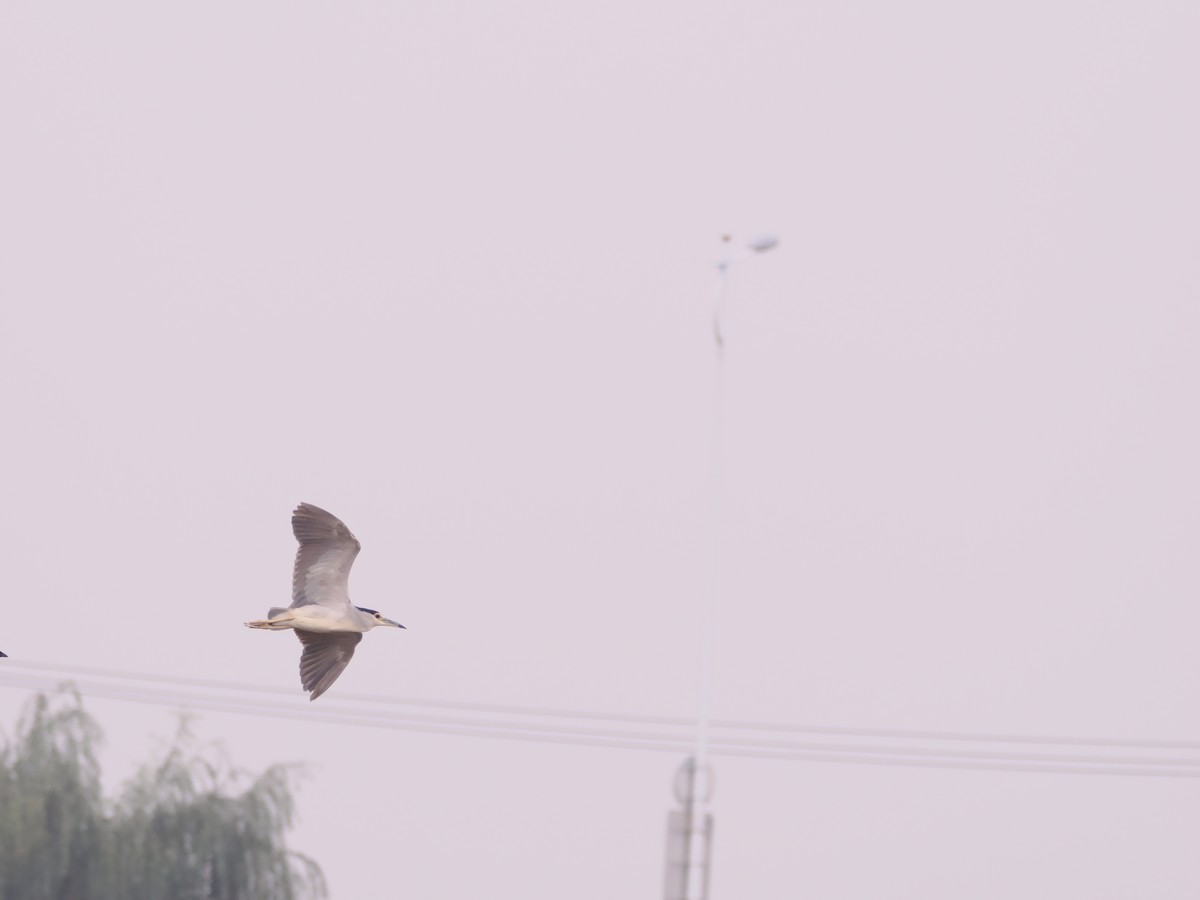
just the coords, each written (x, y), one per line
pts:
(327, 551)
(326, 655)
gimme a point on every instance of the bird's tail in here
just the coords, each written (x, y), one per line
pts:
(272, 621)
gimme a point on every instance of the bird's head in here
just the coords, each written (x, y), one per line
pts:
(377, 618)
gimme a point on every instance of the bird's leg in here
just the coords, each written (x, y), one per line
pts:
(279, 623)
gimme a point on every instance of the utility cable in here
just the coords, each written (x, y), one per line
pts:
(658, 741)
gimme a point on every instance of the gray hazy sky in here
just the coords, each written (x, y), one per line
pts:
(446, 269)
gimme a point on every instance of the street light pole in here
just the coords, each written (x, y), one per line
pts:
(690, 829)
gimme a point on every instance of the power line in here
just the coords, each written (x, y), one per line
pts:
(327, 716)
(974, 737)
(510, 729)
(642, 719)
(360, 698)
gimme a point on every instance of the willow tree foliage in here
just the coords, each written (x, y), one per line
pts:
(184, 828)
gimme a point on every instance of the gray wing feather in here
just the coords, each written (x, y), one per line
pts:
(326, 655)
(327, 551)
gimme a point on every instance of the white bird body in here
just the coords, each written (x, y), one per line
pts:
(326, 622)
(314, 617)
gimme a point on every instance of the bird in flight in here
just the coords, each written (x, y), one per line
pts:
(327, 623)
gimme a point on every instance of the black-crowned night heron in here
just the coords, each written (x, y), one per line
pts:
(321, 614)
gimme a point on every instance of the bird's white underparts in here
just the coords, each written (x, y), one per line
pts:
(326, 622)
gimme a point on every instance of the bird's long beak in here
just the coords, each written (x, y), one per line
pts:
(390, 622)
